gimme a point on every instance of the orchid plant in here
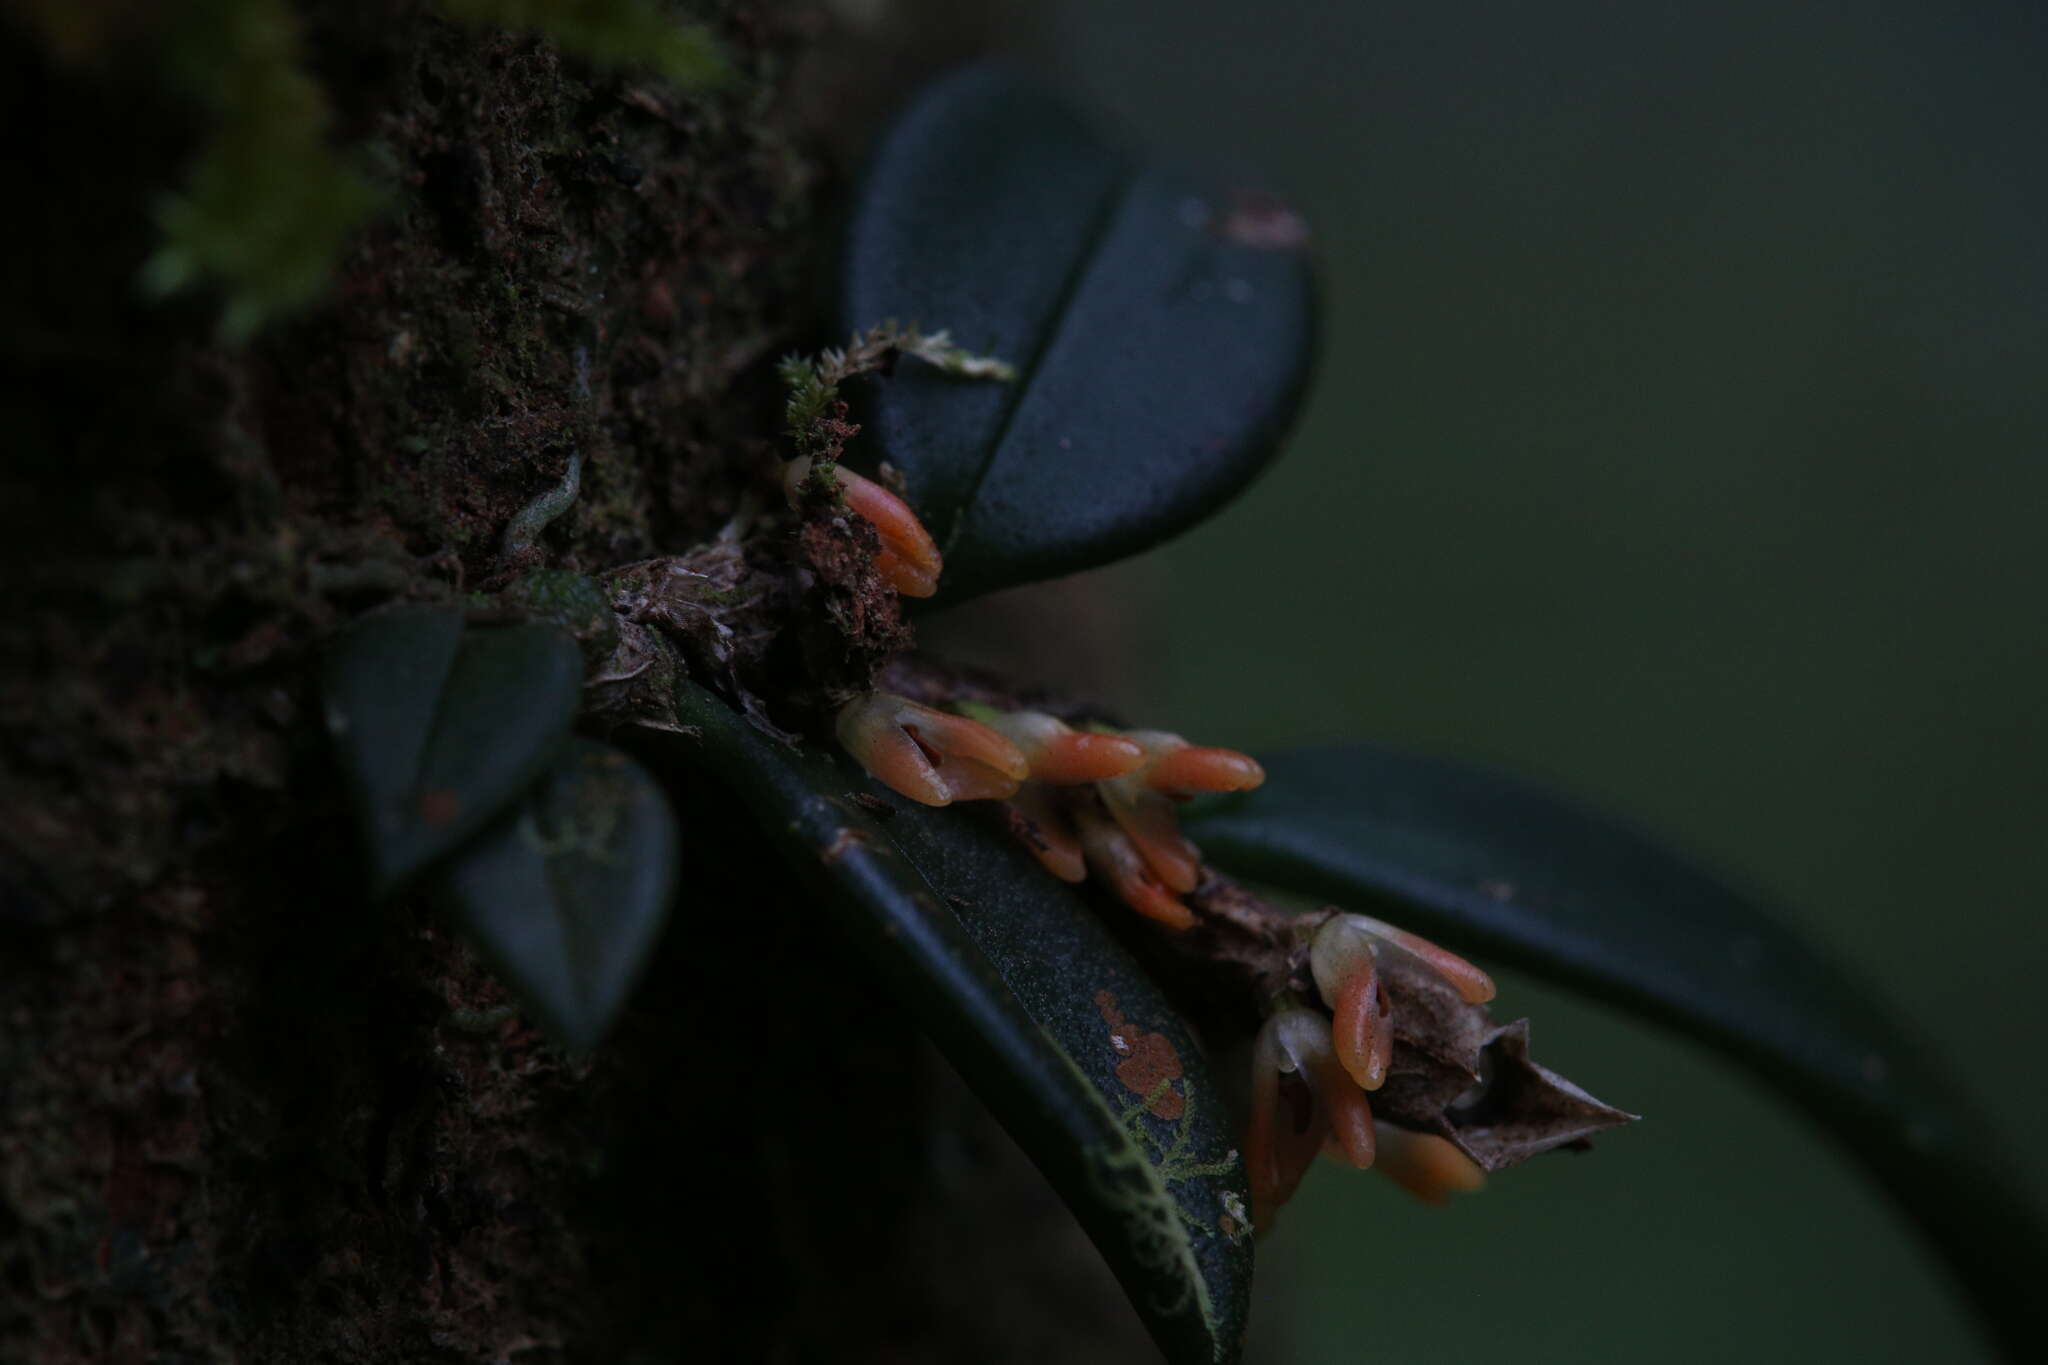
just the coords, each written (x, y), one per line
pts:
(1048, 888)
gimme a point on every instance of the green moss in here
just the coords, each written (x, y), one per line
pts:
(268, 205)
(613, 32)
(579, 605)
(813, 383)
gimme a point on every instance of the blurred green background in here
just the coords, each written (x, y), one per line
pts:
(1678, 437)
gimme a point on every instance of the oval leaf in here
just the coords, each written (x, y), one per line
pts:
(1056, 1027)
(1498, 866)
(439, 728)
(1162, 333)
(567, 892)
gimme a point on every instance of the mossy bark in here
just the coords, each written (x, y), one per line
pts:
(244, 1115)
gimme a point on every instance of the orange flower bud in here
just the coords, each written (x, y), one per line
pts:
(909, 559)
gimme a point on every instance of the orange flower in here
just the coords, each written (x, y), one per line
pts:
(1301, 1097)
(1113, 856)
(930, 756)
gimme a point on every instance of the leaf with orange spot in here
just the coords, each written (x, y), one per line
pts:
(1150, 1063)
(439, 727)
(1004, 966)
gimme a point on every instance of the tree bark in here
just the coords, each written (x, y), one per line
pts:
(245, 1114)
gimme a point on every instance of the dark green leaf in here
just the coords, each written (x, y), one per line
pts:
(1162, 332)
(1059, 1031)
(1501, 868)
(567, 892)
(439, 728)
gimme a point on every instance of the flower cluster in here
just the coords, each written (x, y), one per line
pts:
(1088, 801)
(1101, 802)
(1312, 1073)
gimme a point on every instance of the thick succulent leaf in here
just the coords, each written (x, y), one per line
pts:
(1055, 1026)
(1506, 870)
(566, 893)
(1162, 332)
(439, 727)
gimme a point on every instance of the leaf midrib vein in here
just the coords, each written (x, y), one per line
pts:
(1077, 275)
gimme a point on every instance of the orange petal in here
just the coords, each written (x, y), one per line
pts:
(967, 780)
(1077, 757)
(1112, 856)
(1284, 1135)
(1289, 1118)
(1347, 977)
(963, 738)
(1350, 1119)
(1155, 902)
(1195, 768)
(1041, 826)
(1058, 753)
(903, 535)
(1427, 1166)
(1149, 819)
(928, 755)
(1473, 986)
(868, 729)
(1355, 1029)
(906, 578)
(1304, 1036)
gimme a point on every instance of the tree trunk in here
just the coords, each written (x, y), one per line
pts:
(245, 1114)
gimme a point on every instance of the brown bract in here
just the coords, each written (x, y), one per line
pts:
(788, 623)
(1460, 1075)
